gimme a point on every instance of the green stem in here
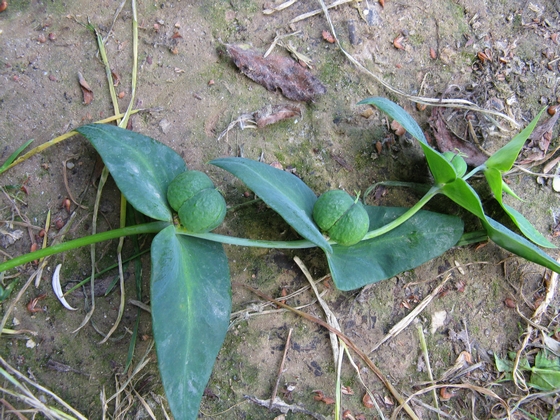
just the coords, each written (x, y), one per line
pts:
(153, 227)
(256, 243)
(405, 216)
(474, 171)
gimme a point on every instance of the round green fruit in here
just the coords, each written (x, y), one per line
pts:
(457, 161)
(200, 206)
(342, 217)
(185, 186)
(203, 212)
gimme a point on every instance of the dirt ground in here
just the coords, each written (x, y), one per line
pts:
(502, 55)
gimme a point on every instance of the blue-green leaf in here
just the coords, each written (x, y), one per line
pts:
(518, 245)
(504, 158)
(442, 170)
(494, 178)
(285, 193)
(191, 305)
(141, 166)
(424, 236)
(527, 228)
(464, 195)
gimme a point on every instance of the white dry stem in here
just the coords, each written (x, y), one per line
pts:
(454, 103)
(280, 7)
(533, 325)
(23, 393)
(58, 289)
(331, 319)
(407, 320)
(337, 348)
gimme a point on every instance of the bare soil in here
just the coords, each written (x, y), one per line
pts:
(191, 92)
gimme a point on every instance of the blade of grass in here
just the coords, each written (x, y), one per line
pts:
(60, 138)
(124, 121)
(14, 155)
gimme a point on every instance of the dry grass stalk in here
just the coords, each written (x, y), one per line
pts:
(281, 368)
(442, 102)
(24, 394)
(396, 394)
(407, 320)
(532, 327)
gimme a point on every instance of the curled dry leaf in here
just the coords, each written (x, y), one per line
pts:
(86, 90)
(397, 128)
(445, 394)
(327, 36)
(277, 73)
(397, 42)
(346, 390)
(275, 113)
(447, 141)
(509, 302)
(328, 400)
(367, 401)
(58, 289)
(32, 305)
(539, 141)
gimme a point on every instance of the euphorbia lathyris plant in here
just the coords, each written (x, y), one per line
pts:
(190, 280)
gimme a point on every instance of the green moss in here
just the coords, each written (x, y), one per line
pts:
(57, 7)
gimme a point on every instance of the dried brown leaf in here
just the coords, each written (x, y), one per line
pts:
(447, 141)
(327, 36)
(539, 141)
(277, 73)
(86, 90)
(275, 113)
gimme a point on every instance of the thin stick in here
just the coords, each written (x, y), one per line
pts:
(63, 137)
(424, 348)
(402, 324)
(348, 342)
(518, 379)
(281, 369)
(13, 409)
(455, 103)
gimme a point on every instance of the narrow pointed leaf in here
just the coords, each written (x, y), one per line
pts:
(508, 190)
(141, 166)
(527, 228)
(285, 193)
(191, 305)
(518, 245)
(14, 155)
(442, 170)
(424, 236)
(504, 158)
(495, 182)
(494, 178)
(464, 195)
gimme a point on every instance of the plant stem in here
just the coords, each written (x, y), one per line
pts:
(404, 217)
(152, 227)
(232, 240)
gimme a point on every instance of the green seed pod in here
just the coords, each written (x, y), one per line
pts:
(200, 206)
(343, 218)
(185, 186)
(203, 212)
(457, 161)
